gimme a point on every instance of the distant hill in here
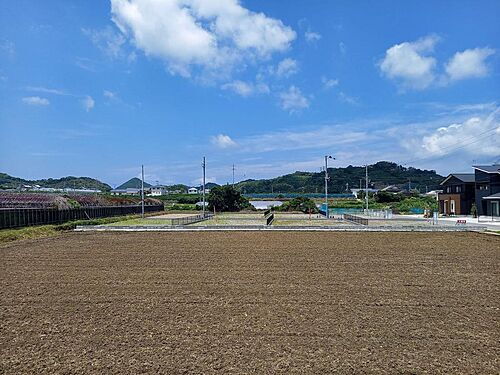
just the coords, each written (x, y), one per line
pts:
(133, 183)
(380, 174)
(210, 185)
(71, 182)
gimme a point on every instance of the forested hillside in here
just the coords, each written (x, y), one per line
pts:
(380, 174)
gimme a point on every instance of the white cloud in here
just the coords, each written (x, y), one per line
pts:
(36, 100)
(287, 67)
(329, 83)
(475, 135)
(246, 88)
(88, 103)
(311, 36)
(292, 100)
(409, 64)
(468, 64)
(209, 34)
(223, 141)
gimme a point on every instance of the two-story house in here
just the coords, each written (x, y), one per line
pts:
(458, 194)
(487, 192)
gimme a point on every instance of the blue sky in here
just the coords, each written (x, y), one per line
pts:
(97, 88)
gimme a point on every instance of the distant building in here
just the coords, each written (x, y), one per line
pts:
(458, 194)
(158, 190)
(461, 190)
(391, 189)
(128, 191)
(434, 194)
(192, 190)
(487, 190)
(355, 192)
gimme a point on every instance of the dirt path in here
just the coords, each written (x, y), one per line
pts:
(251, 302)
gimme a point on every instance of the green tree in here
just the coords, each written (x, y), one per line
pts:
(226, 198)
(302, 204)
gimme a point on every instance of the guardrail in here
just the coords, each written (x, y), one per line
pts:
(356, 219)
(191, 219)
(23, 217)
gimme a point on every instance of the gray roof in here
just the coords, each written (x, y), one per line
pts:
(493, 196)
(495, 168)
(464, 177)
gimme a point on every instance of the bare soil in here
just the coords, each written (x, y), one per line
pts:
(251, 302)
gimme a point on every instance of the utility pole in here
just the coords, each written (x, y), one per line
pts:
(409, 185)
(142, 192)
(233, 176)
(204, 165)
(327, 213)
(366, 190)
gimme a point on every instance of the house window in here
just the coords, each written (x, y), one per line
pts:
(458, 189)
(483, 187)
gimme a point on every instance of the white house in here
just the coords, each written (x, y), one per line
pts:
(158, 190)
(193, 190)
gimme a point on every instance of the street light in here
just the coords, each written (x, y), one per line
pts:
(327, 214)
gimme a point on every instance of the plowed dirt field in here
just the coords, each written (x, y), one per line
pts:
(251, 302)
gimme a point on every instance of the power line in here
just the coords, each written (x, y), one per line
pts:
(455, 147)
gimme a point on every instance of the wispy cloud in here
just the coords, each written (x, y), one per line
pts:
(287, 67)
(108, 40)
(88, 103)
(329, 83)
(48, 90)
(293, 100)
(311, 36)
(36, 101)
(343, 97)
(223, 141)
(7, 48)
(246, 89)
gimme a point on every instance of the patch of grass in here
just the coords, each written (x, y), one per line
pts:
(39, 231)
(8, 235)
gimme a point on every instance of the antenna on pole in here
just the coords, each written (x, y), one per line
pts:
(142, 191)
(233, 176)
(327, 214)
(204, 164)
(366, 189)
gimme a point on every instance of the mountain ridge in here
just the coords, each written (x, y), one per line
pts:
(71, 182)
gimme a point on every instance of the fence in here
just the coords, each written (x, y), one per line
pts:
(23, 217)
(356, 219)
(191, 219)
